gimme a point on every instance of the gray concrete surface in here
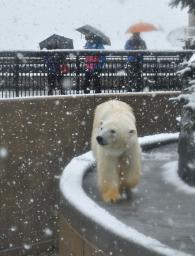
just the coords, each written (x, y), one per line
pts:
(156, 208)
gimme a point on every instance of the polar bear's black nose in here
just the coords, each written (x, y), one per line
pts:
(100, 140)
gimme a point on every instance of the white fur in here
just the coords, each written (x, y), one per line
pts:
(118, 159)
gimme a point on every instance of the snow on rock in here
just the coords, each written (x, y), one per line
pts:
(192, 59)
(71, 180)
(171, 176)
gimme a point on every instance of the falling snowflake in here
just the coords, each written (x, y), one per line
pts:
(3, 152)
(13, 228)
(48, 231)
(27, 246)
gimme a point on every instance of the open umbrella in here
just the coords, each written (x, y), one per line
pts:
(141, 27)
(89, 29)
(181, 36)
(56, 42)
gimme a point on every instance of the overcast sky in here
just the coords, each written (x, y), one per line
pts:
(24, 23)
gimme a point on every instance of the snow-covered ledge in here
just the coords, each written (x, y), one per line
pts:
(122, 239)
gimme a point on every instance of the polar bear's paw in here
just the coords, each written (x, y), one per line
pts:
(111, 195)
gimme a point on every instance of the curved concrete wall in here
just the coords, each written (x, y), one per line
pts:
(38, 137)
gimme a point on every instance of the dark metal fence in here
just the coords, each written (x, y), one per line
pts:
(27, 73)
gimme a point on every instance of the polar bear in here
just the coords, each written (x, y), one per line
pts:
(115, 147)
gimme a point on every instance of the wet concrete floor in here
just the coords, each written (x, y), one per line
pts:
(156, 208)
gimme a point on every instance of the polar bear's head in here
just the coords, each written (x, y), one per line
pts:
(116, 136)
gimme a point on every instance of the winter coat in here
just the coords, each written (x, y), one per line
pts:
(93, 45)
(135, 44)
(52, 64)
(94, 62)
(55, 65)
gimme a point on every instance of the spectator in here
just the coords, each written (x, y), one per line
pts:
(55, 71)
(189, 44)
(135, 62)
(93, 63)
(135, 43)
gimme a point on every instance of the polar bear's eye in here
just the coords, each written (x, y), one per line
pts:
(112, 131)
(131, 131)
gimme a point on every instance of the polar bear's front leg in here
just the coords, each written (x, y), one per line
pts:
(132, 167)
(108, 178)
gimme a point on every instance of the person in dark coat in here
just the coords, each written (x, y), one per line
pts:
(135, 43)
(135, 62)
(93, 63)
(55, 71)
(189, 44)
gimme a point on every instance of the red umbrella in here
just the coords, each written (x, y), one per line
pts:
(141, 27)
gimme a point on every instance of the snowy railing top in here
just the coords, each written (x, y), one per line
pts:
(161, 52)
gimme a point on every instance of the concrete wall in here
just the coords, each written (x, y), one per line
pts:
(38, 137)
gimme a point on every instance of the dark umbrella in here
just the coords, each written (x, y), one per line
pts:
(87, 29)
(56, 42)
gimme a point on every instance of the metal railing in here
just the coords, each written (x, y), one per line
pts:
(29, 73)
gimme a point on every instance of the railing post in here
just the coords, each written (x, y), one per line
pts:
(16, 74)
(77, 73)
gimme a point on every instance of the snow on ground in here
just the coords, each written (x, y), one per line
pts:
(71, 180)
(170, 176)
